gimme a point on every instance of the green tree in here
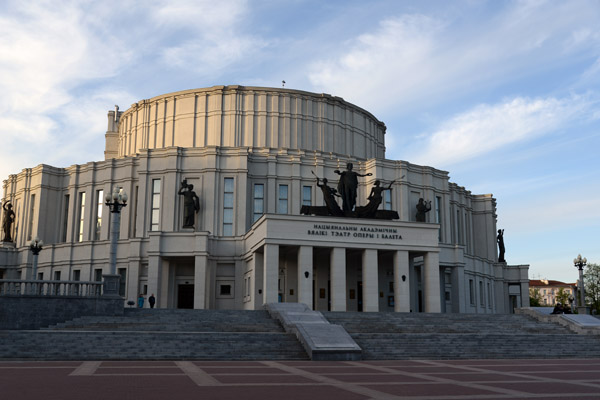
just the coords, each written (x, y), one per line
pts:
(562, 296)
(591, 279)
(535, 297)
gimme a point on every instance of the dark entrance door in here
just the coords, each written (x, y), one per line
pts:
(359, 296)
(185, 296)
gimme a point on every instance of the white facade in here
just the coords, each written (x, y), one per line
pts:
(250, 154)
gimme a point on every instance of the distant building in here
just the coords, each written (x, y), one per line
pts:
(252, 155)
(549, 290)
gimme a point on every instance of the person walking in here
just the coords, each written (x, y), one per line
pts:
(152, 300)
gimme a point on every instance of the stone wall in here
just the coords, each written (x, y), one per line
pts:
(35, 312)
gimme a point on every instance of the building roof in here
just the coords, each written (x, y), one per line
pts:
(549, 283)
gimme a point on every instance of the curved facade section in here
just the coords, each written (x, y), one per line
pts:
(238, 116)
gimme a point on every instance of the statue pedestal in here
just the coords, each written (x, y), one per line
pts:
(8, 245)
(110, 286)
(584, 310)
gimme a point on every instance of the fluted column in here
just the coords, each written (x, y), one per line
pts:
(401, 286)
(337, 267)
(370, 280)
(271, 273)
(305, 264)
(200, 282)
(431, 264)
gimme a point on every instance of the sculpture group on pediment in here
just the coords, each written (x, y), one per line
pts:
(191, 204)
(501, 249)
(347, 191)
(7, 221)
(423, 207)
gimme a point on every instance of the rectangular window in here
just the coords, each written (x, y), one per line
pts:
(387, 199)
(472, 292)
(282, 205)
(81, 217)
(76, 275)
(98, 275)
(438, 215)
(259, 201)
(40, 276)
(458, 228)
(155, 213)
(132, 227)
(122, 281)
(65, 223)
(99, 205)
(467, 232)
(57, 275)
(489, 290)
(481, 294)
(307, 196)
(31, 212)
(228, 207)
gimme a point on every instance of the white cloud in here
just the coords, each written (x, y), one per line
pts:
(486, 128)
(378, 64)
(210, 37)
(411, 61)
(48, 49)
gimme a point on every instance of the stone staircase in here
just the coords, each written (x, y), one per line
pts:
(461, 336)
(145, 334)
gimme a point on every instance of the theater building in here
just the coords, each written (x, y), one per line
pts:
(252, 155)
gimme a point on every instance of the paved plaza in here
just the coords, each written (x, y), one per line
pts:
(449, 379)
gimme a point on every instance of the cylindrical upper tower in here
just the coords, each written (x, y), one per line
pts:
(239, 116)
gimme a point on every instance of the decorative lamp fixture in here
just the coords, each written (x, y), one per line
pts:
(36, 246)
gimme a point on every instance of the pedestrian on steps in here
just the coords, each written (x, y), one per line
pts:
(151, 300)
(141, 301)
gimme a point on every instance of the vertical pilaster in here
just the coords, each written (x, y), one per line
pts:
(305, 264)
(271, 273)
(133, 283)
(431, 264)
(401, 286)
(370, 281)
(460, 288)
(155, 278)
(200, 282)
(337, 266)
(257, 284)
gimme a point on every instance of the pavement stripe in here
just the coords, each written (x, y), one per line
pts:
(87, 368)
(196, 374)
(373, 394)
(519, 375)
(425, 376)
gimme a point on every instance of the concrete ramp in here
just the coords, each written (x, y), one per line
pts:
(321, 340)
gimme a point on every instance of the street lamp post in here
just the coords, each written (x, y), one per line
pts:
(115, 202)
(35, 247)
(580, 264)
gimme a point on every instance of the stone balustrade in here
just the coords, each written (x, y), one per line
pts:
(17, 287)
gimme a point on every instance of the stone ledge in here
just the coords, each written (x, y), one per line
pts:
(578, 323)
(321, 340)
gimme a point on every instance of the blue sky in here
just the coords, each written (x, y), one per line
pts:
(503, 94)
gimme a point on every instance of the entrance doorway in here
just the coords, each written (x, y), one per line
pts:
(359, 296)
(185, 296)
